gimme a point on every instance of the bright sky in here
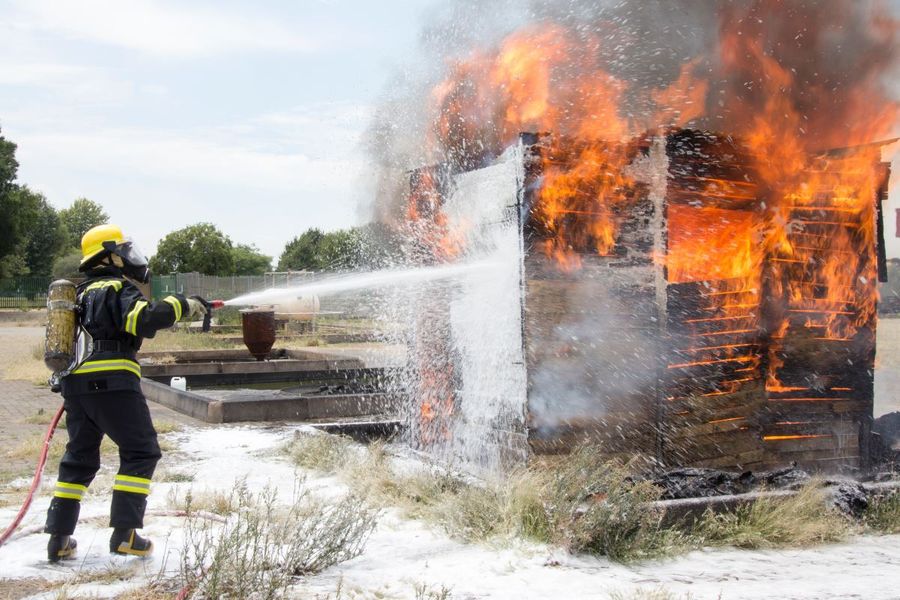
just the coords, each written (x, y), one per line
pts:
(245, 114)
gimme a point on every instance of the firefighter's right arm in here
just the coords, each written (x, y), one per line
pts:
(143, 318)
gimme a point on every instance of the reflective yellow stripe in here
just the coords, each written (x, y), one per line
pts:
(133, 479)
(132, 484)
(104, 284)
(71, 486)
(176, 304)
(133, 490)
(71, 491)
(131, 319)
(66, 495)
(99, 366)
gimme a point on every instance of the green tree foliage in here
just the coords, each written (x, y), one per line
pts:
(248, 260)
(10, 230)
(32, 233)
(81, 216)
(200, 248)
(340, 250)
(46, 235)
(66, 266)
(303, 253)
(37, 235)
(372, 246)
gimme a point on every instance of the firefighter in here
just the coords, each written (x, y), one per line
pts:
(102, 392)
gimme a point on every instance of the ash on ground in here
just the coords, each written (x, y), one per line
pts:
(705, 483)
(848, 496)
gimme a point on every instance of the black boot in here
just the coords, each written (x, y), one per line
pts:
(127, 541)
(61, 547)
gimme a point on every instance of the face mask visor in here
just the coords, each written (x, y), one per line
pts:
(131, 254)
(136, 263)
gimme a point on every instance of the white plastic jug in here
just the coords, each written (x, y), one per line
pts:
(179, 383)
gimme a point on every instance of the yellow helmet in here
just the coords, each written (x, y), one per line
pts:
(92, 241)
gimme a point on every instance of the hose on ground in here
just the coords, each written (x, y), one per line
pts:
(36, 482)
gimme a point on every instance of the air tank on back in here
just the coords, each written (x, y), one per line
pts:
(59, 339)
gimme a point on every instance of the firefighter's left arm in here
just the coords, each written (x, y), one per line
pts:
(143, 318)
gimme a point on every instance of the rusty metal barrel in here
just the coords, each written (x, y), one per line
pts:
(258, 327)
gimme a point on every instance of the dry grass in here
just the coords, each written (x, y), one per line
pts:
(165, 359)
(164, 427)
(792, 521)
(596, 507)
(43, 417)
(22, 587)
(31, 447)
(580, 503)
(169, 476)
(151, 591)
(12, 499)
(28, 366)
(211, 501)
(110, 574)
(319, 452)
(657, 593)
(424, 591)
(883, 514)
(25, 367)
(173, 340)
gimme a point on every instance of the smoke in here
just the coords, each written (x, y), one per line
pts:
(827, 63)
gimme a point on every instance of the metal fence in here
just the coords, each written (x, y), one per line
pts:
(215, 287)
(358, 303)
(24, 292)
(31, 292)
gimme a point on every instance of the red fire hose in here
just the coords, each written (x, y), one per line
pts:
(36, 482)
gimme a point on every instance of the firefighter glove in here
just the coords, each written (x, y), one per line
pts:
(197, 308)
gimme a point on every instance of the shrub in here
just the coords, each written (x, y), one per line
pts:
(262, 547)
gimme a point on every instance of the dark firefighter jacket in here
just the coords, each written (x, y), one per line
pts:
(117, 316)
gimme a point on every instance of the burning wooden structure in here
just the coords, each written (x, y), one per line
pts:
(709, 313)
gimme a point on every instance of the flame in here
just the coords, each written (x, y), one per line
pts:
(816, 227)
(711, 243)
(782, 247)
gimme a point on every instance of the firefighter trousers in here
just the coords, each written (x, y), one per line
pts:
(99, 404)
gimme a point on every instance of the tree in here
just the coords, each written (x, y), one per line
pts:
(66, 266)
(302, 253)
(371, 246)
(46, 236)
(36, 234)
(10, 230)
(201, 248)
(31, 231)
(340, 250)
(82, 216)
(248, 260)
